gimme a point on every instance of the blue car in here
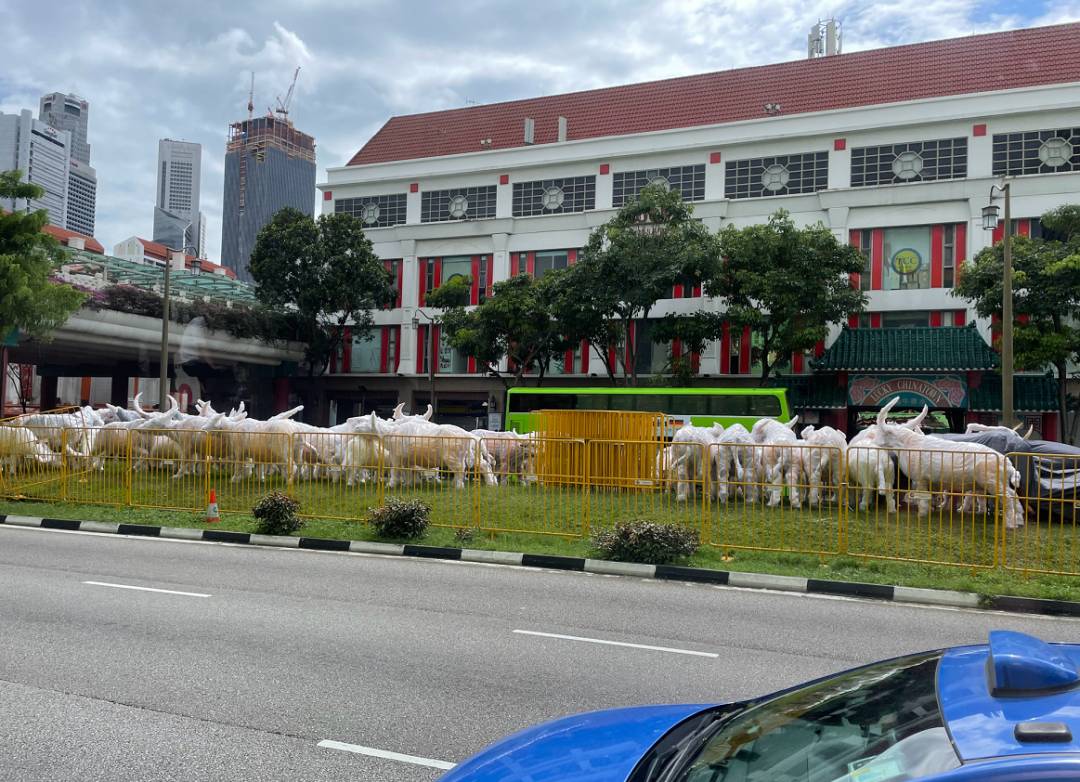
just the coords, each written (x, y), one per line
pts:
(1007, 711)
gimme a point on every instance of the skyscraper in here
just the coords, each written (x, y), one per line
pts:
(178, 222)
(269, 165)
(43, 155)
(71, 113)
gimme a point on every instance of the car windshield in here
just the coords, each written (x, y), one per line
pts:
(880, 723)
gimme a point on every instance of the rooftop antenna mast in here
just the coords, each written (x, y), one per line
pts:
(283, 105)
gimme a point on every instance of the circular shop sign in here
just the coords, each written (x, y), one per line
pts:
(906, 261)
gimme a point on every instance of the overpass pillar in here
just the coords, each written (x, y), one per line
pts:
(3, 378)
(48, 392)
(118, 391)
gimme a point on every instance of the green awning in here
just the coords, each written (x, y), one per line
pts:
(1031, 394)
(806, 392)
(924, 349)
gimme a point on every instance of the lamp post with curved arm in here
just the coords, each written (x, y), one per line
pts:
(990, 221)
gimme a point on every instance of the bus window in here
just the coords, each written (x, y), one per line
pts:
(728, 405)
(654, 403)
(524, 403)
(622, 402)
(592, 402)
(764, 406)
(689, 404)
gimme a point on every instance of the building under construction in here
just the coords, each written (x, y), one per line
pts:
(269, 165)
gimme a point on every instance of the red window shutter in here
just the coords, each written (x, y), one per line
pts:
(514, 271)
(423, 280)
(611, 359)
(436, 341)
(819, 348)
(935, 319)
(346, 350)
(571, 257)
(568, 362)
(677, 291)
(875, 320)
(437, 278)
(490, 273)
(697, 290)
(877, 258)
(474, 294)
(530, 264)
(695, 363)
(1023, 227)
(472, 365)
(725, 349)
(421, 345)
(853, 321)
(676, 348)
(959, 317)
(744, 352)
(384, 348)
(854, 239)
(797, 362)
(937, 254)
(998, 233)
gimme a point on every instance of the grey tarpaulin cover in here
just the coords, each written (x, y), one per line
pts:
(1049, 472)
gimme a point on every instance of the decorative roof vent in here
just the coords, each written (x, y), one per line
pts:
(562, 128)
(530, 130)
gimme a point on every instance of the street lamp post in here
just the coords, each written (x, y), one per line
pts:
(431, 353)
(163, 374)
(990, 221)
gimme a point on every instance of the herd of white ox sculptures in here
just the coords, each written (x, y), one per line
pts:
(772, 459)
(410, 447)
(766, 461)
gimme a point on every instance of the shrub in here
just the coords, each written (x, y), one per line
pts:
(400, 519)
(276, 514)
(647, 542)
(465, 534)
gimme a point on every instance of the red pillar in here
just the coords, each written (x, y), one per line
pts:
(281, 393)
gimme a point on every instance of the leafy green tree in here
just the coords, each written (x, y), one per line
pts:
(1046, 294)
(325, 273)
(693, 332)
(515, 322)
(786, 283)
(627, 265)
(29, 300)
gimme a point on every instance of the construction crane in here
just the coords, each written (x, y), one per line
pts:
(283, 105)
(251, 97)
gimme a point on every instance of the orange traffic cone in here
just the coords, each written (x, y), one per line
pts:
(212, 515)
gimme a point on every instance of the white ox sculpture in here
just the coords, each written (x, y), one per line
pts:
(934, 464)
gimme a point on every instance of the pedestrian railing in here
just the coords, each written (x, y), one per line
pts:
(971, 509)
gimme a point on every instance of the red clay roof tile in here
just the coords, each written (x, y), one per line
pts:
(956, 66)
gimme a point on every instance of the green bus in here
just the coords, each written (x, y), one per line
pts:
(697, 406)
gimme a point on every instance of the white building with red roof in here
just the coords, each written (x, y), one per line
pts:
(893, 149)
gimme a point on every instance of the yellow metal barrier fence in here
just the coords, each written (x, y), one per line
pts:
(960, 508)
(1049, 540)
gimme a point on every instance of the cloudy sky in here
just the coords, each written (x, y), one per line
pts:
(181, 70)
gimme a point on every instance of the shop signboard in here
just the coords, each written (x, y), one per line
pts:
(912, 390)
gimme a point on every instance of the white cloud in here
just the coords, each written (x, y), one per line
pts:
(365, 61)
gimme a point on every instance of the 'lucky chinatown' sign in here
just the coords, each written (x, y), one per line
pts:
(913, 391)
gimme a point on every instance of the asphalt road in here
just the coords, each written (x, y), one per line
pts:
(291, 648)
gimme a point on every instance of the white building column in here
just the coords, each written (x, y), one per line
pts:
(839, 167)
(604, 184)
(977, 239)
(412, 207)
(410, 286)
(838, 222)
(714, 176)
(504, 199)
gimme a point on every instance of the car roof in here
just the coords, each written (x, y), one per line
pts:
(986, 691)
